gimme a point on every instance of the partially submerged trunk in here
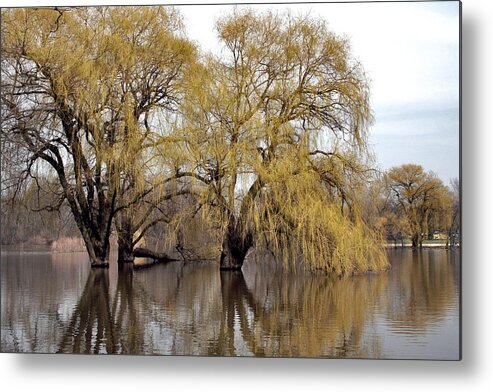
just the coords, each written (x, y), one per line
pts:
(125, 252)
(450, 240)
(125, 239)
(417, 241)
(100, 260)
(97, 249)
(162, 257)
(157, 258)
(232, 256)
(236, 244)
(238, 238)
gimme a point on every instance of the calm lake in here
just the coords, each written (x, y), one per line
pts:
(55, 303)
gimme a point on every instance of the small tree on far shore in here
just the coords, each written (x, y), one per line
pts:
(421, 198)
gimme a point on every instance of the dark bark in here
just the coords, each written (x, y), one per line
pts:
(232, 257)
(125, 252)
(238, 238)
(162, 257)
(235, 247)
(98, 251)
(125, 238)
(417, 241)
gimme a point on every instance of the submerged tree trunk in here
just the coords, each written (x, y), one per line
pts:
(232, 257)
(417, 241)
(95, 228)
(101, 257)
(235, 247)
(161, 256)
(450, 241)
(125, 238)
(125, 251)
(97, 249)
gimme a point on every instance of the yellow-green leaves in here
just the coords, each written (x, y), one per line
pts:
(421, 202)
(269, 136)
(285, 106)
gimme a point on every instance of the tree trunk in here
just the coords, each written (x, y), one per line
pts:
(125, 247)
(125, 252)
(143, 252)
(232, 258)
(415, 241)
(96, 238)
(450, 241)
(235, 248)
(98, 252)
(101, 256)
(125, 238)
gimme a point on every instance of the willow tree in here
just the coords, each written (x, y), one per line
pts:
(80, 88)
(276, 130)
(419, 197)
(453, 223)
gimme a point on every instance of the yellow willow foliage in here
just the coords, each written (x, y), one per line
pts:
(419, 198)
(112, 68)
(299, 222)
(96, 85)
(275, 129)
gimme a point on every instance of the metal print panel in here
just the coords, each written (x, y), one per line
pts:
(271, 180)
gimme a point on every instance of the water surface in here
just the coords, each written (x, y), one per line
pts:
(55, 303)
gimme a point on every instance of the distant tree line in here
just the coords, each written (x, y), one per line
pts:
(410, 203)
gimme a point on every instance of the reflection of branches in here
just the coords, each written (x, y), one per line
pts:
(99, 325)
(92, 312)
(192, 308)
(310, 316)
(128, 329)
(423, 289)
(237, 304)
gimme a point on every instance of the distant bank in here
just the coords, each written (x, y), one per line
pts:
(426, 244)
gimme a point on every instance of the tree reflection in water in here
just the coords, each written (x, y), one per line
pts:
(91, 326)
(194, 309)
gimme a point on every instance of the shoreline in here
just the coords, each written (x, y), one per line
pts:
(409, 245)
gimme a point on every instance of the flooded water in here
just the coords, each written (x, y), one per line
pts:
(54, 303)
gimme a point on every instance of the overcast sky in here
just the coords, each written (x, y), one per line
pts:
(410, 51)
